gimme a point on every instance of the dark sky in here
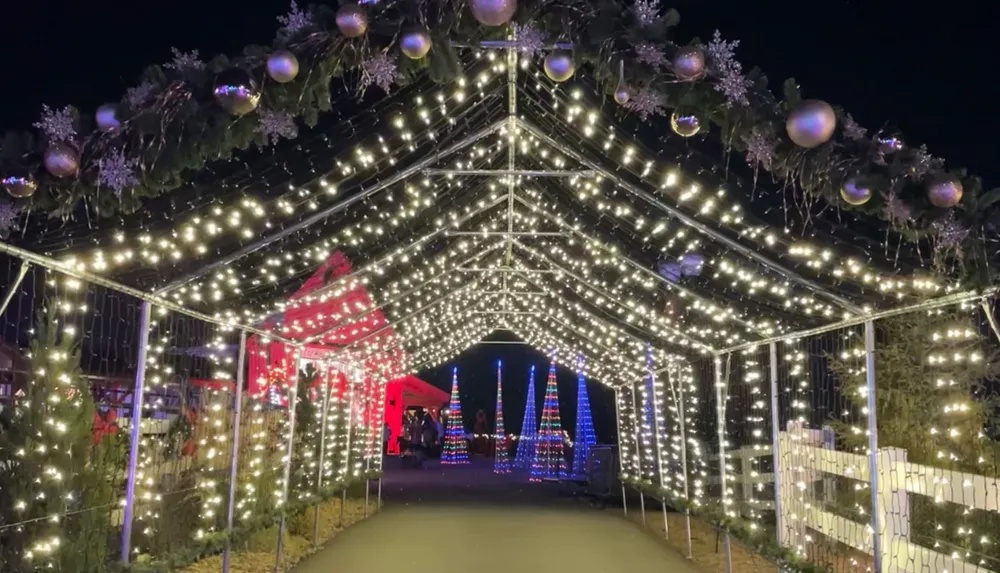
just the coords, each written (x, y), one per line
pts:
(927, 68)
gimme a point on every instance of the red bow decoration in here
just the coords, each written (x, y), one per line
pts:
(104, 425)
(190, 447)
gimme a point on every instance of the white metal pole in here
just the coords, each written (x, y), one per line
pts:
(775, 442)
(656, 435)
(720, 414)
(621, 454)
(292, 399)
(133, 453)
(347, 449)
(235, 455)
(638, 449)
(682, 413)
(368, 443)
(325, 409)
(877, 517)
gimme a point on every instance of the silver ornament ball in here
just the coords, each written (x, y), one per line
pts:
(945, 191)
(61, 160)
(685, 125)
(811, 123)
(352, 21)
(236, 92)
(689, 63)
(415, 44)
(889, 144)
(107, 117)
(493, 12)
(559, 66)
(282, 66)
(855, 192)
(19, 186)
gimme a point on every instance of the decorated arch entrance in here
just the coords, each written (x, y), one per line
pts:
(747, 271)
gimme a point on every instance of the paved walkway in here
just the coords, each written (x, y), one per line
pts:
(466, 519)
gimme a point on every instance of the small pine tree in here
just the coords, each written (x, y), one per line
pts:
(55, 464)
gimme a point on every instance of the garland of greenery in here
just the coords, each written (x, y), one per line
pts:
(784, 558)
(176, 127)
(213, 543)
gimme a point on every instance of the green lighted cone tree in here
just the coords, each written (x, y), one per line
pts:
(455, 450)
(57, 456)
(935, 397)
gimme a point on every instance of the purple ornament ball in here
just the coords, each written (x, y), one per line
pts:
(811, 123)
(61, 160)
(493, 12)
(689, 63)
(685, 125)
(352, 21)
(415, 44)
(559, 66)
(282, 66)
(855, 192)
(107, 117)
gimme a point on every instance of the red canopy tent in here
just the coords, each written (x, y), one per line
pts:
(409, 392)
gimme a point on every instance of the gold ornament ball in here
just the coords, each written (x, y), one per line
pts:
(811, 123)
(107, 117)
(352, 21)
(622, 94)
(685, 125)
(559, 66)
(945, 191)
(61, 160)
(855, 192)
(236, 92)
(282, 66)
(415, 44)
(493, 12)
(19, 186)
(689, 63)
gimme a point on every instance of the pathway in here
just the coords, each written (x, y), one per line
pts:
(466, 519)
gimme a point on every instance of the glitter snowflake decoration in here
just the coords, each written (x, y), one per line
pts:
(140, 94)
(645, 102)
(276, 125)
(379, 70)
(184, 61)
(853, 130)
(528, 39)
(651, 54)
(117, 172)
(924, 163)
(948, 237)
(646, 12)
(732, 83)
(760, 149)
(57, 125)
(896, 211)
(9, 214)
(295, 20)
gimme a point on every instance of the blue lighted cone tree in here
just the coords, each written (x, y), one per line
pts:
(584, 436)
(550, 457)
(529, 428)
(501, 456)
(455, 450)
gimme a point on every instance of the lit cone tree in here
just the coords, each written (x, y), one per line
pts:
(550, 457)
(584, 436)
(455, 451)
(501, 459)
(529, 428)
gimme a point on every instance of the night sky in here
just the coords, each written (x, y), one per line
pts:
(925, 68)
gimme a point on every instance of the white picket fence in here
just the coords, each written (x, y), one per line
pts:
(806, 457)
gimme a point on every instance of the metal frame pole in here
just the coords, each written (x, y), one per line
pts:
(292, 399)
(873, 445)
(720, 413)
(682, 413)
(12, 287)
(347, 447)
(324, 417)
(656, 434)
(621, 454)
(235, 455)
(368, 444)
(638, 449)
(775, 443)
(133, 452)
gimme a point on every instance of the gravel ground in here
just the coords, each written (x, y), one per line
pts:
(461, 519)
